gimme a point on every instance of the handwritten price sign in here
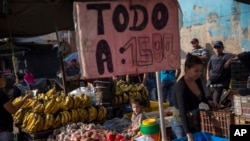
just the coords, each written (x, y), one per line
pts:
(127, 36)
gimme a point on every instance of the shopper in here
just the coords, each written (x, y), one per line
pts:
(136, 78)
(188, 94)
(6, 111)
(168, 79)
(218, 76)
(151, 86)
(29, 77)
(73, 70)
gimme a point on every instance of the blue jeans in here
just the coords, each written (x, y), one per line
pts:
(152, 94)
(177, 129)
(6, 136)
(167, 91)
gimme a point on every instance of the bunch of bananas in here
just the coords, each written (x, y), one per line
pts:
(48, 121)
(19, 115)
(92, 111)
(65, 117)
(33, 122)
(74, 115)
(38, 107)
(57, 121)
(29, 103)
(16, 100)
(102, 113)
(125, 92)
(52, 106)
(83, 114)
(53, 109)
(85, 100)
(51, 93)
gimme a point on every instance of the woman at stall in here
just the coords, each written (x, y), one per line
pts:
(188, 94)
(6, 109)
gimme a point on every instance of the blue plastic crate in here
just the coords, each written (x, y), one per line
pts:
(203, 136)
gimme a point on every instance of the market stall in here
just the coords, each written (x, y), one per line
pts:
(129, 53)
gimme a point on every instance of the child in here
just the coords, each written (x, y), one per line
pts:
(137, 117)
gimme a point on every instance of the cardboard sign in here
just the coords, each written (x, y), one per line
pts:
(127, 36)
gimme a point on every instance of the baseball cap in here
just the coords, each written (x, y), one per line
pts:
(194, 40)
(218, 44)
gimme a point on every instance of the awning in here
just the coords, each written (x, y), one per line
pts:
(29, 18)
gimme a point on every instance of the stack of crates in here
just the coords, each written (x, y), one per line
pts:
(239, 75)
(217, 121)
(242, 109)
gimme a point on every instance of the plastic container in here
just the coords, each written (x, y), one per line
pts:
(203, 136)
(151, 127)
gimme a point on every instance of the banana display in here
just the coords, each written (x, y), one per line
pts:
(54, 109)
(125, 92)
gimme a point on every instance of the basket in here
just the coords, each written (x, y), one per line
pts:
(242, 105)
(203, 136)
(216, 122)
(242, 120)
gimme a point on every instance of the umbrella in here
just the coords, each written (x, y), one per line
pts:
(71, 56)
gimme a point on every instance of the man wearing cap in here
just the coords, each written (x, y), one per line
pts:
(218, 76)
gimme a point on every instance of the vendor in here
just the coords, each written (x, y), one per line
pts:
(6, 109)
(188, 94)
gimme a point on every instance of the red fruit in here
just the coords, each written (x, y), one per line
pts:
(119, 137)
(123, 139)
(110, 137)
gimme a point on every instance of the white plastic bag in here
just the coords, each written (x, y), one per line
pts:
(144, 138)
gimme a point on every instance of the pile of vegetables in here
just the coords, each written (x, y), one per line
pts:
(84, 132)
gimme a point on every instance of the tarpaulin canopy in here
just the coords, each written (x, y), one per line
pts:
(71, 56)
(29, 18)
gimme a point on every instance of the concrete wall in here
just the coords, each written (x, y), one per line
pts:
(211, 20)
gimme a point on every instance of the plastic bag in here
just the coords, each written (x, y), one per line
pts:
(144, 138)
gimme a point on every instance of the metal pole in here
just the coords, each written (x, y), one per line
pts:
(62, 63)
(161, 109)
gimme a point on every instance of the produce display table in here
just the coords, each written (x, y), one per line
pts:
(39, 136)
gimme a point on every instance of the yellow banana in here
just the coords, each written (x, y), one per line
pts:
(49, 106)
(58, 121)
(51, 92)
(92, 112)
(17, 100)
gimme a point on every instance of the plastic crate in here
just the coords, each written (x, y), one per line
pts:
(242, 105)
(203, 136)
(242, 120)
(216, 122)
(238, 71)
(236, 84)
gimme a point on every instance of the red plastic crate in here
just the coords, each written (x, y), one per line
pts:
(217, 122)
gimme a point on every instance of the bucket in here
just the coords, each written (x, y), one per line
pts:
(151, 127)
